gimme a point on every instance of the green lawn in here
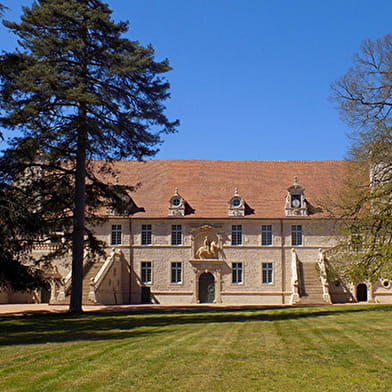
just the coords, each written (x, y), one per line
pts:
(340, 348)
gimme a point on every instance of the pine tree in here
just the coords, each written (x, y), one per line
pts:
(78, 91)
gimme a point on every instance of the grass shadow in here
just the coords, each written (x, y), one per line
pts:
(92, 326)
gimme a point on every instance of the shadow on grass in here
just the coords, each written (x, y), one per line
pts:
(65, 327)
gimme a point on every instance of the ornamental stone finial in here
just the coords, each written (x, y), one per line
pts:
(235, 191)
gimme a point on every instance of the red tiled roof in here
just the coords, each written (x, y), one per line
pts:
(208, 186)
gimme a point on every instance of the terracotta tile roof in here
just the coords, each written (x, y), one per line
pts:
(209, 185)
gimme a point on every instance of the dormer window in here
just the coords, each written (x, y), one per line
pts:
(176, 205)
(126, 208)
(295, 200)
(176, 202)
(236, 202)
(121, 203)
(110, 211)
(236, 205)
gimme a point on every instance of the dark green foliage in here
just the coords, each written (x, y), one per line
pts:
(77, 91)
(17, 240)
(76, 71)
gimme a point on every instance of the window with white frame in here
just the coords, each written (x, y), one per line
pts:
(176, 235)
(266, 235)
(267, 273)
(176, 272)
(296, 235)
(146, 272)
(146, 234)
(236, 235)
(116, 235)
(237, 272)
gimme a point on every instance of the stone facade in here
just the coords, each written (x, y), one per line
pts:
(251, 255)
(219, 232)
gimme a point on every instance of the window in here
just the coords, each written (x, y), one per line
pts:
(176, 205)
(176, 235)
(266, 235)
(146, 234)
(236, 235)
(296, 235)
(176, 273)
(176, 202)
(236, 205)
(237, 272)
(236, 202)
(267, 273)
(116, 235)
(146, 272)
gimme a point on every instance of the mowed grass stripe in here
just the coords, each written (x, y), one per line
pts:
(64, 358)
(374, 343)
(307, 349)
(91, 369)
(15, 358)
(158, 363)
(149, 358)
(45, 374)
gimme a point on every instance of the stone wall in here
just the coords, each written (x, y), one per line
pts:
(316, 234)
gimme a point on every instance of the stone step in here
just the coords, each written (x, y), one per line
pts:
(91, 273)
(312, 299)
(313, 287)
(312, 292)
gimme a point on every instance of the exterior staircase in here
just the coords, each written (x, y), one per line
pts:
(91, 273)
(311, 291)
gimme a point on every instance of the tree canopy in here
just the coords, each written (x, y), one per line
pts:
(77, 90)
(364, 100)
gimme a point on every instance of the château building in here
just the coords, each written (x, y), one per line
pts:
(224, 232)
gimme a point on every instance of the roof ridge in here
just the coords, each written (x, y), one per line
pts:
(234, 160)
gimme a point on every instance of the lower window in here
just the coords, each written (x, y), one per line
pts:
(146, 272)
(267, 272)
(237, 272)
(176, 275)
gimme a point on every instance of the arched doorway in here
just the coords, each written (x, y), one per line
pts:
(362, 293)
(45, 295)
(206, 288)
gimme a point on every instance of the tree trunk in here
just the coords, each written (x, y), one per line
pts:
(78, 225)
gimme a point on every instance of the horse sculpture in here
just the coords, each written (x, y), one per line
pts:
(209, 250)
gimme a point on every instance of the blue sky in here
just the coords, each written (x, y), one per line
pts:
(250, 78)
